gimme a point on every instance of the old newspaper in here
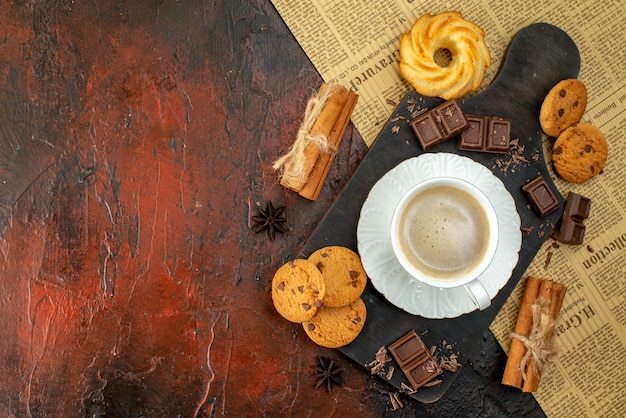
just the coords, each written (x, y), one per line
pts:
(355, 42)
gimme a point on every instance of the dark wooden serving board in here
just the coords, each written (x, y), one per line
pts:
(538, 57)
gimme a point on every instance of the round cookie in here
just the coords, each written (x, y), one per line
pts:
(563, 106)
(298, 290)
(433, 37)
(343, 273)
(579, 153)
(336, 327)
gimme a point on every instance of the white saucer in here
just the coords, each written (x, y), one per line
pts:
(374, 237)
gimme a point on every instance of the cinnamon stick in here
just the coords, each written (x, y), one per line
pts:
(317, 177)
(512, 372)
(305, 166)
(537, 291)
(555, 292)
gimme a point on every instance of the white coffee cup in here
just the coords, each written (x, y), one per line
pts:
(444, 233)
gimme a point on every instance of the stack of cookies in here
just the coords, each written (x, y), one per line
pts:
(580, 150)
(323, 293)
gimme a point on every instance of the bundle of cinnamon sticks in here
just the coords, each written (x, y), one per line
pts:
(531, 343)
(305, 167)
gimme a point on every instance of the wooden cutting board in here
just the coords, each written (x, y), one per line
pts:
(539, 56)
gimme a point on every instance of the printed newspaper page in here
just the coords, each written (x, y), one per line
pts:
(355, 42)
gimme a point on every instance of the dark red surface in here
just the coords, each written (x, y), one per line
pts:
(136, 142)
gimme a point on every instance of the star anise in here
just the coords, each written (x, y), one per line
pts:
(328, 373)
(270, 219)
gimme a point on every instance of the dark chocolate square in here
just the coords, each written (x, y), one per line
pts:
(572, 228)
(571, 232)
(419, 374)
(427, 130)
(473, 137)
(417, 363)
(407, 349)
(541, 197)
(577, 206)
(498, 135)
(452, 119)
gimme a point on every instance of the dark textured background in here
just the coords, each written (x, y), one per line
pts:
(136, 141)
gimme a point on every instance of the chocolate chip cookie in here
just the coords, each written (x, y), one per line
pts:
(579, 153)
(343, 273)
(336, 327)
(298, 290)
(563, 106)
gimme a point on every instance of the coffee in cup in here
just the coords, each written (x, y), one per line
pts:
(444, 232)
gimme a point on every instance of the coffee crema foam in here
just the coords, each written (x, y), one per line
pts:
(444, 232)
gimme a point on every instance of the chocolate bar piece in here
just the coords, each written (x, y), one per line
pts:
(416, 362)
(498, 135)
(473, 138)
(486, 134)
(427, 130)
(571, 232)
(439, 124)
(541, 197)
(572, 229)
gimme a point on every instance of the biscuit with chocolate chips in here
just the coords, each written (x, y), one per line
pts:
(343, 273)
(336, 327)
(579, 153)
(298, 290)
(563, 106)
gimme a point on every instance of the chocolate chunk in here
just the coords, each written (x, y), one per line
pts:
(541, 197)
(486, 134)
(571, 232)
(421, 373)
(439, 124)
(572, 228)
(473, 138)
(416, 362)
(427, 130)
(498, 135)
(453, 119)
(577, 206)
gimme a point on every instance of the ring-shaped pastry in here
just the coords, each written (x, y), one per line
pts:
(447, 32)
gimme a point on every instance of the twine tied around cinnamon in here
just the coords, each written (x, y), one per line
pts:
(294, 161)
(538, 347)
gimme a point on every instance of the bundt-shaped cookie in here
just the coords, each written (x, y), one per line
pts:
(458, 41)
